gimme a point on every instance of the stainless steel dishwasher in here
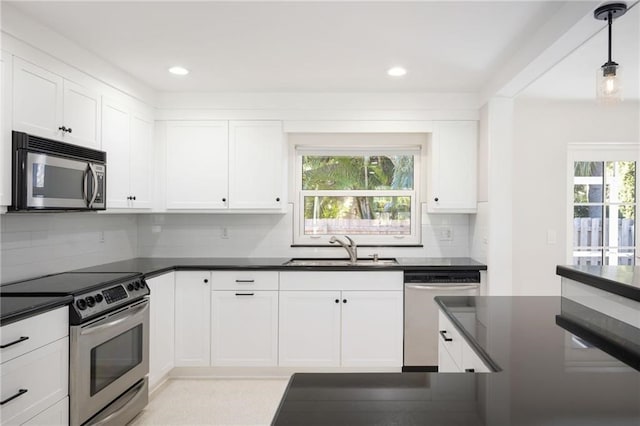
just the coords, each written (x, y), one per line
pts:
(421, 311)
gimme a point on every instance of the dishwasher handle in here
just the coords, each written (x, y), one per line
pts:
(442, 287)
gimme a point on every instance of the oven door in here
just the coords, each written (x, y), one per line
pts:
(108, 357)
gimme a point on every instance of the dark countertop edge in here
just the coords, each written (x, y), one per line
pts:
(601, 283)
(35, 310)
(479, 350)
(284, 398)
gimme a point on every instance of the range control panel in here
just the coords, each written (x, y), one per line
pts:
(96, 302)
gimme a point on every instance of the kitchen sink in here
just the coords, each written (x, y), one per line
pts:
(341, 262)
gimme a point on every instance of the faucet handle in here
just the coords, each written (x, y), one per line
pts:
(374, 256)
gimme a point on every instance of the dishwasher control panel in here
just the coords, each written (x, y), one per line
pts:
(448, 276)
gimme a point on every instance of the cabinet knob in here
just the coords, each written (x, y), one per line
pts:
(63, 128)
(337, 300)
(278, 199)
(224, 200)
(206, 280)
(69, 130)
(469, 370)
(133, 198)
(344, 300)
(436, 199)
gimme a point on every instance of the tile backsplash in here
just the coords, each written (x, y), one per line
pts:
(39, 244)
(35, 244)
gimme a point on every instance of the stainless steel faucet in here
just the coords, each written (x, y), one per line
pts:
(350, 247)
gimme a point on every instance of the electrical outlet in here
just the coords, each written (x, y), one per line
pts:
(224, 233)
(446, 233)
(101, 237)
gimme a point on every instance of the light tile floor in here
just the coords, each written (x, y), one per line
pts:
(213, 402)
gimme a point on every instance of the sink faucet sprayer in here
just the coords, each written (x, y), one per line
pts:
(351, 248)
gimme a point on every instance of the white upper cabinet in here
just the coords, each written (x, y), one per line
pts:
(452, 169)
(47, 105)
(5, 128)
(197, 165)
(127, 137)
(220, 165)
(81, 115)
(256, 169)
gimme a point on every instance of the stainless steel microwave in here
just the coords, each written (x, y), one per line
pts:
(53, 175)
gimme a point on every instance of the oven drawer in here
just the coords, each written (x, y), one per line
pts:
(34, 381)
(244, 280)
(34, 332)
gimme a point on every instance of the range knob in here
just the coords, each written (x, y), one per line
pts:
(137, 285)
(98, 298)
(90, 301)
(130, 287)
(81, 304)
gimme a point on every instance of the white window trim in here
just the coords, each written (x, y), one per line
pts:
(299, 237)
(591, 151)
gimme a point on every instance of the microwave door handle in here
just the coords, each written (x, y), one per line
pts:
(95, 185)
(85, 184)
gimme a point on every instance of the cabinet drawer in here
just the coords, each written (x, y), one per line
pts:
(43, 373)
(338, 280)
(447, 330)
(57, 414)
(33, 332)
(244, 280)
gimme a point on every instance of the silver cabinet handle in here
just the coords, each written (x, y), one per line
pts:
(442, 287)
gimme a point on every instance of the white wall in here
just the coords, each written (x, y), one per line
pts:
(196, 235)
(542, 130)
(39, 244)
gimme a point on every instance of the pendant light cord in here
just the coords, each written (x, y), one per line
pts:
(610, 22)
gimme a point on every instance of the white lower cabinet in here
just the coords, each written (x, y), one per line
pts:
(349, 326)
(310, 323)
(192, 319)
(244, 328)
(161, 327)
(34, 376)
(455, 355)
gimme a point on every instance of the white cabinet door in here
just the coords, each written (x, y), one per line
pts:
(6, 84)
(161, 327)
(57, 414)
(446, 364)
(193, 319)
(309, 328)
(372, 324)
(244, 328)
(256, 165)
(37, 100)
(197, 165)
(141, 157)
(81, 115)
(115, 141)
(453, 168)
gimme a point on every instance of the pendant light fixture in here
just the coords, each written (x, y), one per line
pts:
(608, 82)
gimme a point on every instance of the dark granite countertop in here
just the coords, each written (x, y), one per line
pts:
(561, 363)
(619, 279)
(16, 308)
(151, 266)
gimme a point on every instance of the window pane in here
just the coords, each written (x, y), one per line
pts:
(376, 172)
(587, 226)
(587, 257)
(620, 181)
(588, 181)
(620, 226)
(357, 215)
(615, 256)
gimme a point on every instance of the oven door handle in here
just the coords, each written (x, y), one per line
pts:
(441, 287)
(115, 320)
(95, 185)
(85, 185)
(132, 396)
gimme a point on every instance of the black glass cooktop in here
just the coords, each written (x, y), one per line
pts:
(70, 283)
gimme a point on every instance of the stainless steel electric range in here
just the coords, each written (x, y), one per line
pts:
(109, 342)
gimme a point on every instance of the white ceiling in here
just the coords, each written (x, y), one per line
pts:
(575, 76)
(449, 46)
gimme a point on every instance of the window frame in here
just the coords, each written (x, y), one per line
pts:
(599, 152)
(413, 239)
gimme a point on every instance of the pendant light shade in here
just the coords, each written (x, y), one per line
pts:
(609, 78)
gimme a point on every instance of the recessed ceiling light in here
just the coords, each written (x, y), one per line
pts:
(396, 71)
(178, 70)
